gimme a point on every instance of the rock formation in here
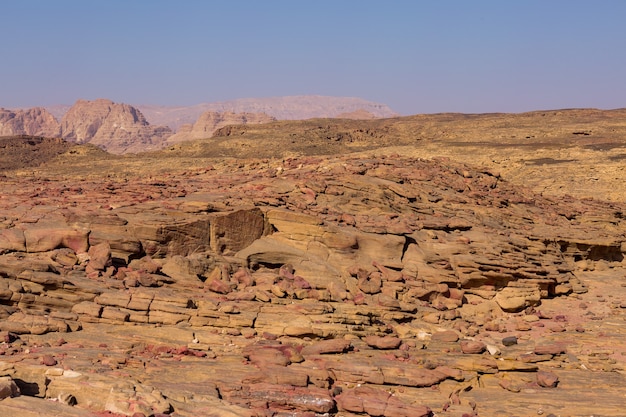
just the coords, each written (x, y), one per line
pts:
(117, 128)
(210, 121)
(339, 285)
(36, 121)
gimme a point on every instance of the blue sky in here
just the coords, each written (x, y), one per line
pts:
(415, 56)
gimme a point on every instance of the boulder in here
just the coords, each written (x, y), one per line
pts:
(8, 387)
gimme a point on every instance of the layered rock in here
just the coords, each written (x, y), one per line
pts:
(115, 127)
(36, 121)
(339, 286)
(210, 121)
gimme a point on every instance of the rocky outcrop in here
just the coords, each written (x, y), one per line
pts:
(343, 285)
(36, 121)
(210, 121)
(117, 128)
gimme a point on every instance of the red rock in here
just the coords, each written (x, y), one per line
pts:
(266, 356)
(100, 256)
(472, 346)
(47, 239)
(412, 376)
(371, 284)
(327, 346)
(301, 283)
(384, 342)
(377, 402)
(243, 277)
(219, 286)
(445, 336)
(547, 379)
(48, 360)
(388, 274)
(549, 349)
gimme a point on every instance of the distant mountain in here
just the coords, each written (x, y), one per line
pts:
(282, 108)
(210, 121)
(121, 128)
(115, 127)
(36, 122)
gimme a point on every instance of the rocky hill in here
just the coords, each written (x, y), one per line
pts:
(210, 121)
(115, 127)
(282, 108)
(35, 122)
(20, 152)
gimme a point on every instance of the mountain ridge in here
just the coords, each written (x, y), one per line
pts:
(280, 107)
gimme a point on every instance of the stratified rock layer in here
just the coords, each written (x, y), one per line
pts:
(310, 286)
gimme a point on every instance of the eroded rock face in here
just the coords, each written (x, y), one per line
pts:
(342, 286)
(118, 128)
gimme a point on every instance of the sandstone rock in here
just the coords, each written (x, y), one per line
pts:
(279, 376)
(412, 376)
(12, 240)
(547, 379)
(291, 328)
(549, 349)
(185, 270)
(128, 399)
(370, 284)
(472, 346)
(47, 239)
(235, 231)
(327, 346)
(377, 402)
(445, 336)
(100, 256)
(6, 368)
(385, 342)
(516, 299)
(309, 399)
(8, 388)
(87, 308)
(48, 360)
(21, 323)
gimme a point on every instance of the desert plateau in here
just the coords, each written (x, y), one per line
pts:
(236, 262)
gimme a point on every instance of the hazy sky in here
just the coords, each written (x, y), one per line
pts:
(415, 56)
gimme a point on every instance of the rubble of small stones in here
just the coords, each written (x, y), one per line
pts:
(304, 287)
